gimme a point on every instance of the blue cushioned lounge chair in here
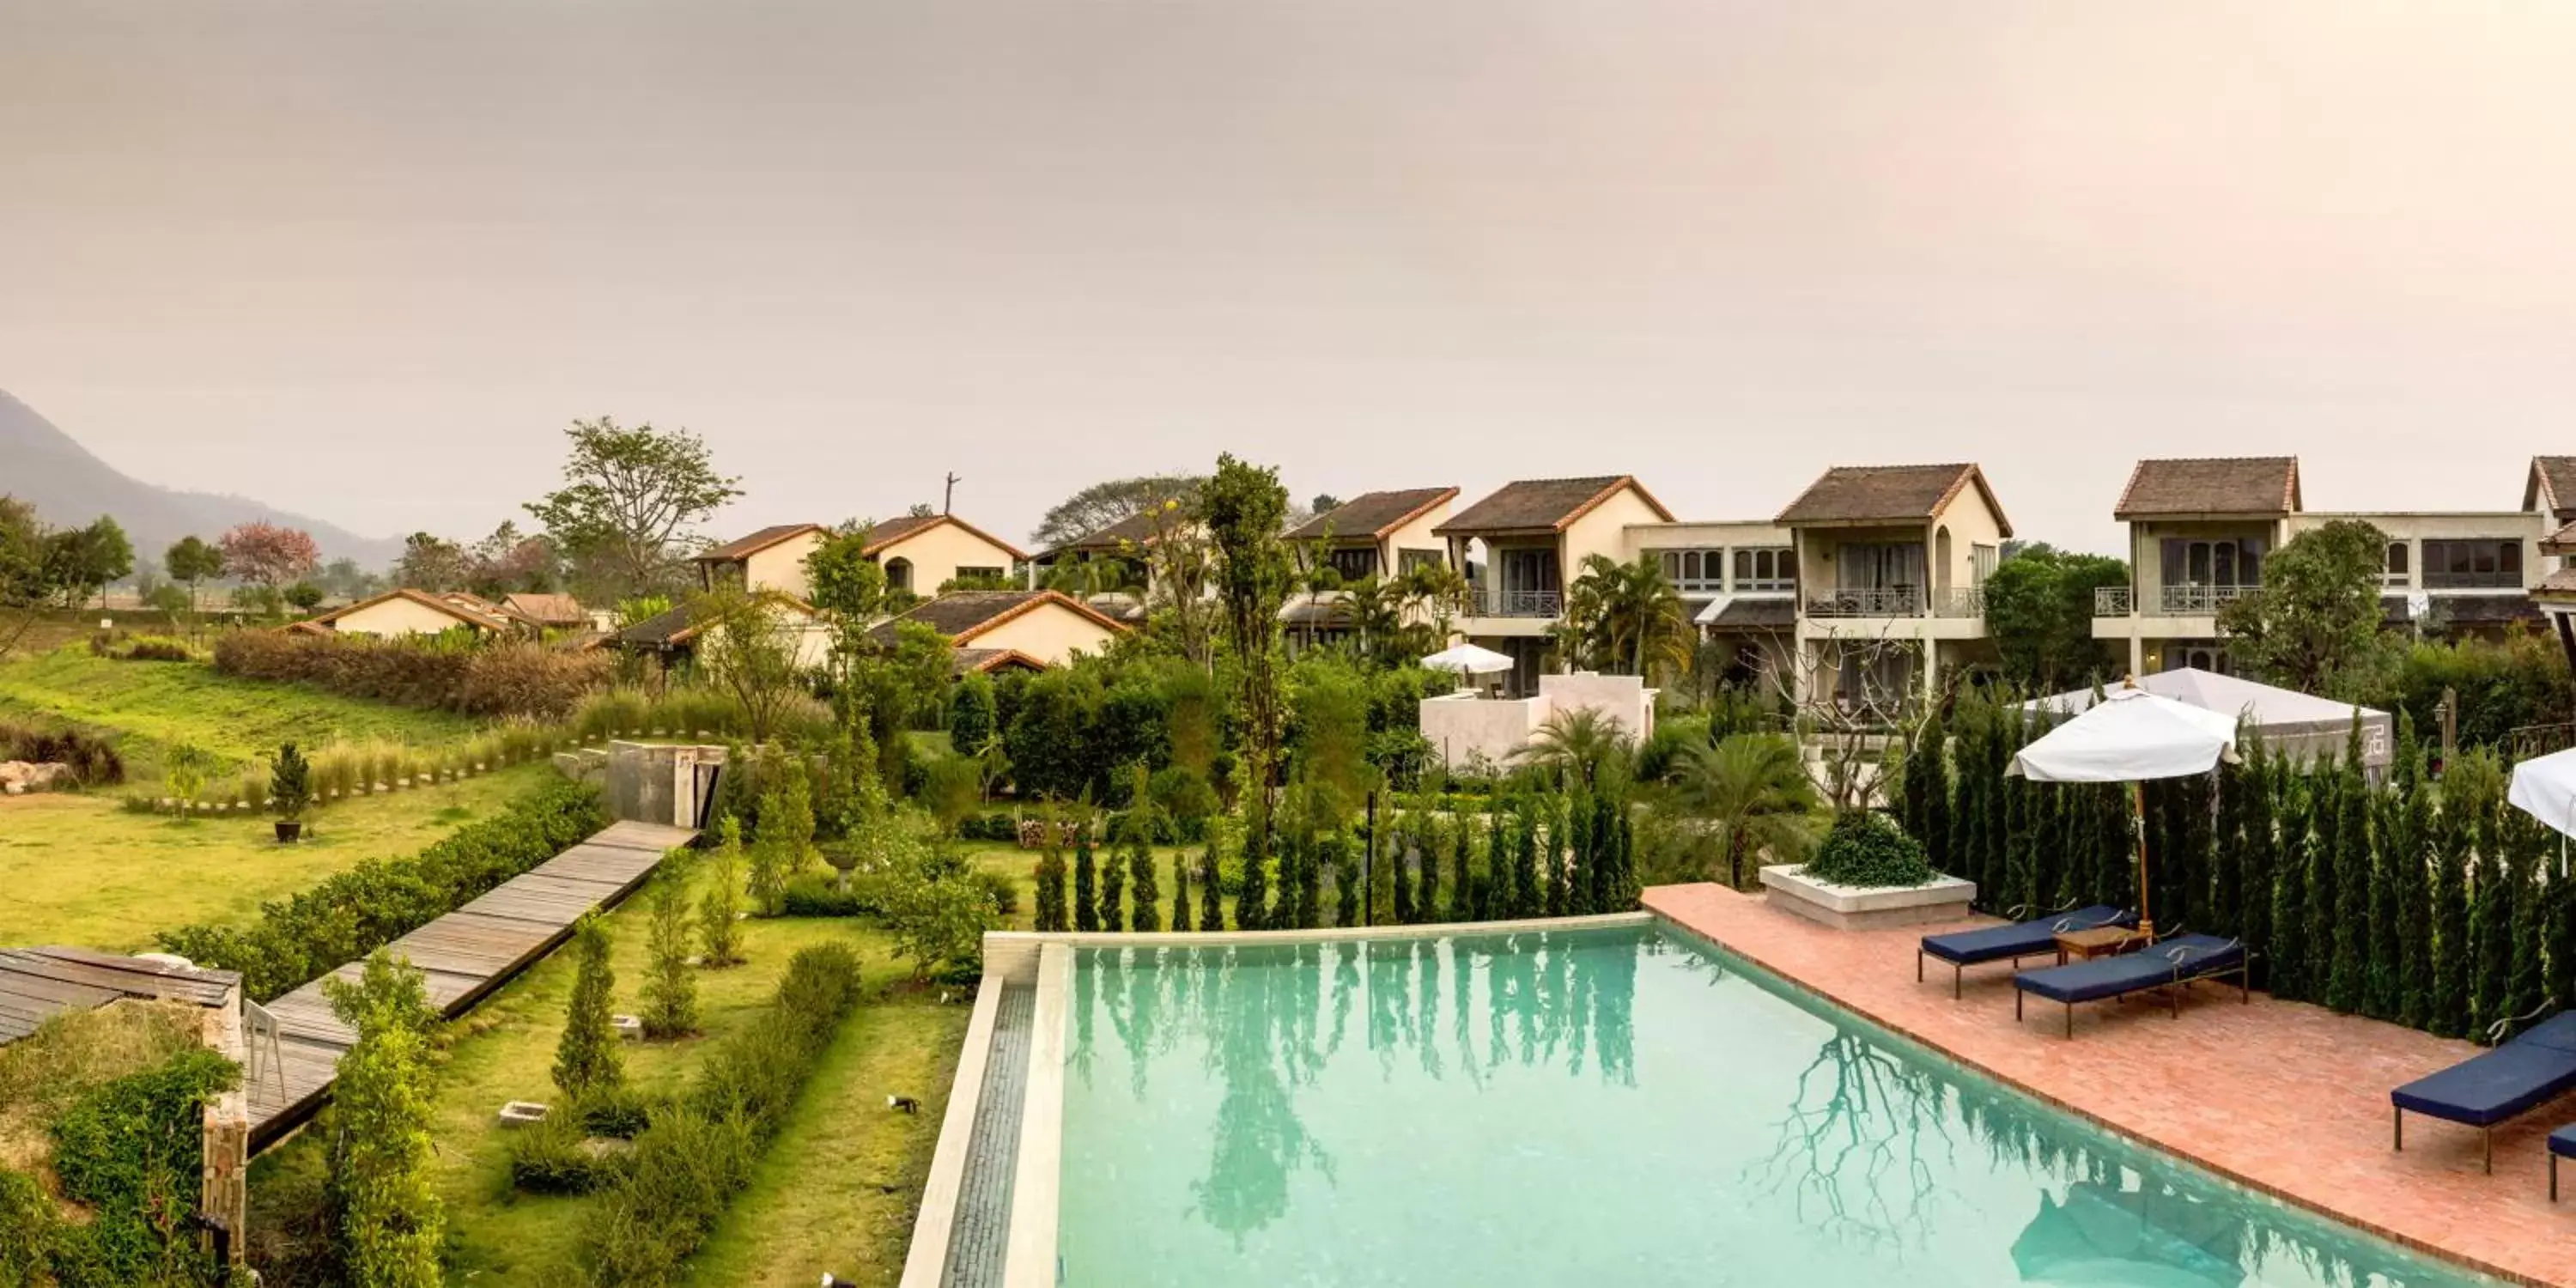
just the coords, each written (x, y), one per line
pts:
(2532, 1069)
(2169, 965)
(1965, 948)
(2562, 1144)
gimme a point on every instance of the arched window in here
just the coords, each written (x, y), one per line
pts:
(898, 573)
(1941, 559)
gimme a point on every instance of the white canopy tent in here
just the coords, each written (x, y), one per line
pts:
(2545, 788)
(2302, 726)
(2132, 736)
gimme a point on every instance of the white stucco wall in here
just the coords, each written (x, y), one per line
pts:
(1050, 633)
(782, 567)
(1464, 729)
(1604, 530)
(938, 551)
(1414, 536)
(1623, 699)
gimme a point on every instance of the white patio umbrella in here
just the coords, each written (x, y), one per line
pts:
(1467, 659)
(2129, 738)
(2545, 788)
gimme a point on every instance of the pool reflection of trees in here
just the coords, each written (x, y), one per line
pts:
(2116, 1214)
(1260, 1012)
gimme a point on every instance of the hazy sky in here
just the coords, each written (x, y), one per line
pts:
(365, 260)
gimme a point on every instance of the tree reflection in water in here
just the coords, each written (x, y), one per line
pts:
(1861, 1113)
(1259, 1141)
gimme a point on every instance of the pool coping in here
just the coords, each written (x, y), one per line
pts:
(926, 1261)
(2446, 1256)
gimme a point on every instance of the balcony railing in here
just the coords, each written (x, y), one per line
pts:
(2198, 601)
(1520, 603)
(1901, 601)
(2507, 580)
(2113, 601)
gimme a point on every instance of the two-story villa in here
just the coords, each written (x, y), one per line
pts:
(1738, 581)
(919, 552)
(1533, 536)
(1891, 565)
(1379, 536)
(2200, 531)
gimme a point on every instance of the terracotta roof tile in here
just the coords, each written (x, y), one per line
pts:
(2552, 489)
(1543, 505)
(964, 614)
(745, 547)
(547, 610)
(1370, 516)
(2211, 485)
(1859, 494)
(886, 532)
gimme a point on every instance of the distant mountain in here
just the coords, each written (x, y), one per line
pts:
(41, 464)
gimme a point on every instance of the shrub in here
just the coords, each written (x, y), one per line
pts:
(1867, 849)
(93, 760)
(290, 783)
(815, 895)
(697, 1154)
(351, 914)
(122, 1151)
(586, 1058)
(390, 1220)
(554, 1157)
(1005, 892)
(938, 918)
(719, 936)
(511, 678)
(670, 989)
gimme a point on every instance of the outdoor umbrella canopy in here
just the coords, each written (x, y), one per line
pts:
(1467, 659)
(2545, 788)
(2130, 737)
(2300, 726)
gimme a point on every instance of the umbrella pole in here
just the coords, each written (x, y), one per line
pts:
(2146, 918)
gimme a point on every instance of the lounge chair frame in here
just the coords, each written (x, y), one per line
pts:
(2172, 989)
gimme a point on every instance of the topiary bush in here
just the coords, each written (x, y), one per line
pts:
(1868, 850)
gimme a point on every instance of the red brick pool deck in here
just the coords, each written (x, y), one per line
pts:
(2238, 1089)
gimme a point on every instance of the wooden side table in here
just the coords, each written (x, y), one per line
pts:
(2101, 941)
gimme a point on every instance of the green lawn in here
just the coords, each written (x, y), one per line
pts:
(837, 1191)
(78, 869)
(153, 705)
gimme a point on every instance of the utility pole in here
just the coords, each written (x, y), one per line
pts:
(948, 500)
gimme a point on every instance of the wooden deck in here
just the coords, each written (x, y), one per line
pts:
(38, 983)
(463, 955)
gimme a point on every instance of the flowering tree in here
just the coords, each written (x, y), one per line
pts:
(269, 556)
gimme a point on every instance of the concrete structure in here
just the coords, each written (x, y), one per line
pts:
(2201, 529)
(1469, 731)
(1891, 565)
(922, 552)
(1041, 628)
(662, 783)
(1844, 907)
(1522, 546)
(397, 614)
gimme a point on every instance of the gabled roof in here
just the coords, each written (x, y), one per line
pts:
(746, 547)
(989, 660)
(889, 531)
(674, 625)
(962, 615)
(1545, 505)
(1136, 530)
(2551, 489)
(1857, 494)
(2266, 485)
(1371, 516)
(546, 610)
(2560, 542)
(456, 604)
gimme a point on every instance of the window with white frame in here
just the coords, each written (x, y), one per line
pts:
(1695, 571)
(1760, 568)
(1410, 559)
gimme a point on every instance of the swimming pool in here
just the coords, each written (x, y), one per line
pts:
(1597, 1107)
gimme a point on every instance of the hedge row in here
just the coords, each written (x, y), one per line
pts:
(352, 914)
(698, 1153)
(131, 1153)
(503, 679)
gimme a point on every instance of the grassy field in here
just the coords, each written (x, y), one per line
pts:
(836, 1193)
(151, 706)
(80, 870)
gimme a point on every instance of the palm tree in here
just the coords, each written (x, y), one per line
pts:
(1376, 611)
(1754, 790)
(1625, 618)
(1574, 745)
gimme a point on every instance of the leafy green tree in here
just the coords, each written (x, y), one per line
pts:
(2314, 625)
(1086, 879)
(1244, 507)
(972, 724)
(1101, 504)
(2039, 612)
(769, 873)
(87, 559)
(719, 931)
(936, 914)
(391, 1222)
(747, 646)
(190, 561)
(670, 987)
(631, 502)
(587, 1060)
(1405, 849)
(1053, 914)
(303, 596)
(2406, 846)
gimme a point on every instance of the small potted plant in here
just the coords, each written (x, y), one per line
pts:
(290, 786)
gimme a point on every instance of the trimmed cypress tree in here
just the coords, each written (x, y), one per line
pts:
(1485, 861)
(2226, 908)
(1347, 908)
(2558, 924)
(1052, 915)
(1527, 901)
(586, 1057)
(2523, 845)
(1180, 890)
(2348, 983)
(1435, 846)
(1113, 888)
(1606, 879)
(2405, 846)
(1967, 810)
(1312, 854)
(1556, 861)
(2197, 874)
(1936, 792)
(2491, 894)
(2115, 845)
(2324, 821)
(1086, 878)
(1252, 897)
(670, 985)
(2258, 858)
(719, 933)
(1141, 870)
(1403, 859)
(1629, 891)
(1212, 883)
(2450, 944)
(2290, 917)
(2021, 875)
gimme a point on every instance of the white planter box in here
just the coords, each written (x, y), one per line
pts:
(1865, 908)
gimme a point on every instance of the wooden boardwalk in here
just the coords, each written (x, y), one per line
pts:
(463, 956)
(38, 983)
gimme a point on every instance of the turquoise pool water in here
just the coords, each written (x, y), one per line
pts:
(1598, 1108)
